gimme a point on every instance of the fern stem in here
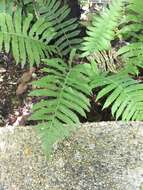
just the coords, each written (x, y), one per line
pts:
(60, 96)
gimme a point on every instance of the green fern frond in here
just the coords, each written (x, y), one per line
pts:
(25, 39)
(132, 54)
(133, 19)
(66, 28)
(103, 28)
(66, 90)
(124, 95)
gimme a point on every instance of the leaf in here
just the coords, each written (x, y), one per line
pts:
(64, 102)
(26, 40)
(67, 30)
(100, 34)
(123, 94)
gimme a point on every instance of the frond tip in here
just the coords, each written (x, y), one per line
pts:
(103, 28)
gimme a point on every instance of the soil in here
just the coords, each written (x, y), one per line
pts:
(11, 105)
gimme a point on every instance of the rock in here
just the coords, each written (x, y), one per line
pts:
(98, 156)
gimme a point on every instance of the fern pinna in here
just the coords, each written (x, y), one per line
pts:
(67, 91)
(25, 39)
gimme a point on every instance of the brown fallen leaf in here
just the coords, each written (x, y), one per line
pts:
(27, 76)
(22, 87)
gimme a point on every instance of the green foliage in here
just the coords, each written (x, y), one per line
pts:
(124, 95)
(26, 30)
(67, 31)
(67, 90)
(133, 19)
(132, 53)
(103, 29)
(57, 13)
(25, 39)
(29, 37)
(6, 6)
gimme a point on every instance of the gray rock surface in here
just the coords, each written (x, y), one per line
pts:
(99, 156)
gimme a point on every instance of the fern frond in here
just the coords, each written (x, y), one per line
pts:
(103, 28)
(25, 39)
(133, 19)
(66, 28)
(124, 95)
(132, 27)
(132, 54)
(67, 92)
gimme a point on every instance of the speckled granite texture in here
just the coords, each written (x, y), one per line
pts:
(99, 156)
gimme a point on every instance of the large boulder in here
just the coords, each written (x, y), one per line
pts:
(98, 156)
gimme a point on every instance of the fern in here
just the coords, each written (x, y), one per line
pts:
(24, 38)
(124, 95)
(57, 14)
(67, 90)
(67, 31)
(132, 53)
(102, 30)
(133, 19)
